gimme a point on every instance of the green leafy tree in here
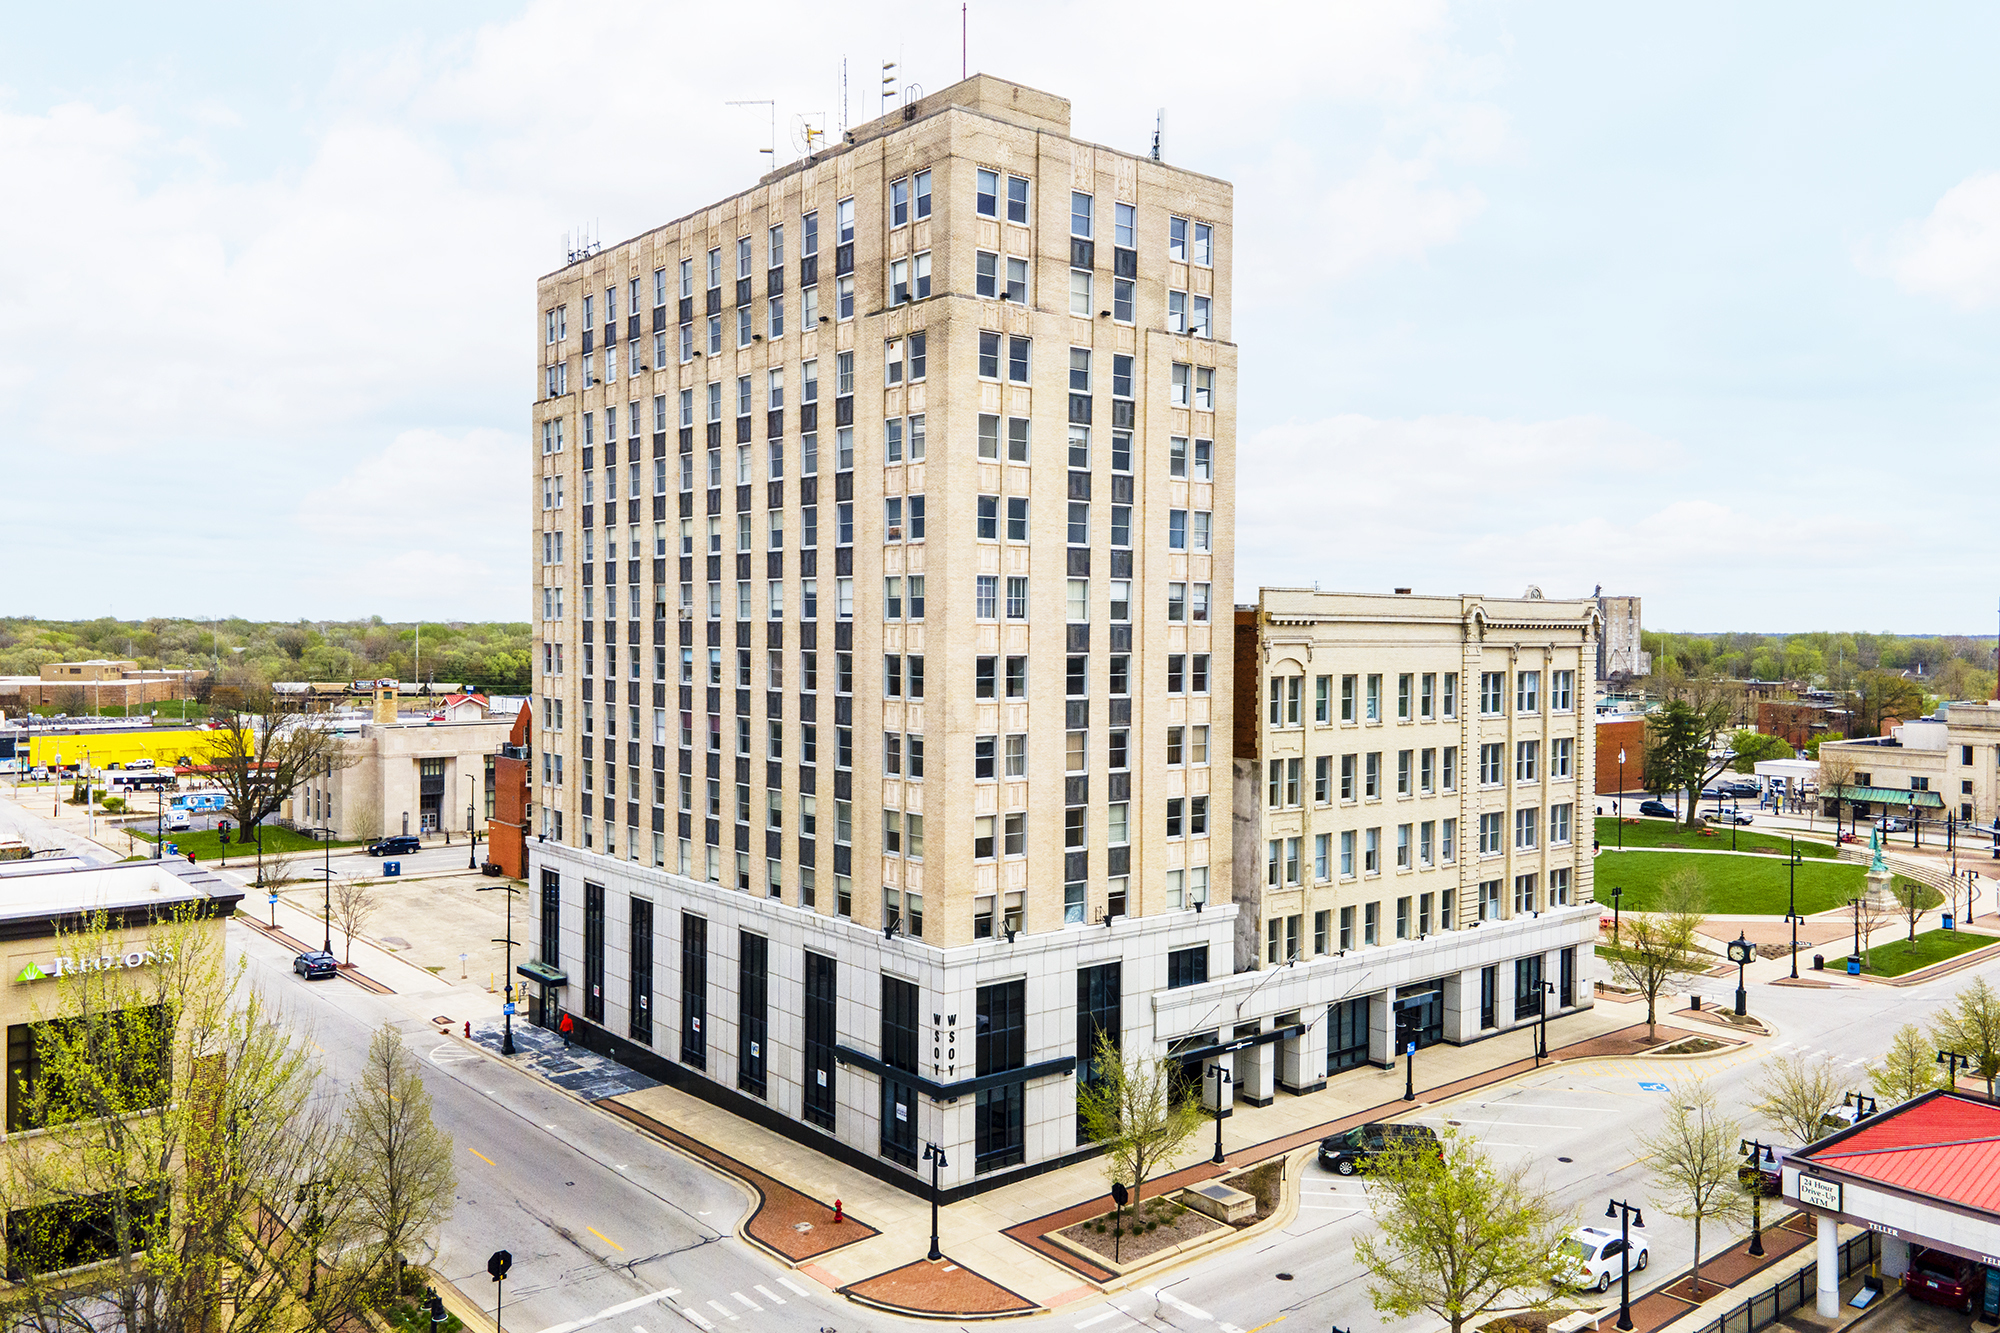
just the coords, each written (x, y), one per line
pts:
(399, 1161)
(1129, 1109)
(1753, 747)
(1456, 1235)
(1680, 739)
(1694, 1155)
(177, 1124)
(1909, 1068)
(1970, 1025)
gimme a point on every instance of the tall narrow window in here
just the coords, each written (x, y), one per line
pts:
(642, 971)
(694, 990)
(752, 1012)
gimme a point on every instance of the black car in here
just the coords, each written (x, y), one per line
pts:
(314, 964)
(1345, 1153)
(403, 844)
(1657, 808)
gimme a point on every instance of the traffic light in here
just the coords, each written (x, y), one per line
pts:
(222, 830)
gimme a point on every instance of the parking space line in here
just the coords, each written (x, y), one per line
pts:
(697, 1320)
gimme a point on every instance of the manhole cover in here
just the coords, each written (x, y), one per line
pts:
(1284, 1277)
(1562, 1159)
(1455, 1124)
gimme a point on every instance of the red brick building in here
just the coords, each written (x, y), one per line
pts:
(507, 830)
(1626, 732)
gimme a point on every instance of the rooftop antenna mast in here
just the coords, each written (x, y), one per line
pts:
(963, 42)
(1159, 133)
(843, 97)
(888, 85)
(765, 101)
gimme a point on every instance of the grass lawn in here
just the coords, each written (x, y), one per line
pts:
(206, 846)
(1896, 957)
(1752, 885)
(1666, 833)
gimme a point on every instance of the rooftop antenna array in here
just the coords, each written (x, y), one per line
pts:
(888, 85)
(843, 97)
(581, 244)
(1159, 133)
(772, 151)
(808, 132)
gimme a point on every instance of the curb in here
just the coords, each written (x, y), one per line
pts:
(910, 1312)
(1281, 1217)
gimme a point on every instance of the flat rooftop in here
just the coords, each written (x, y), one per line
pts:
(69, 890)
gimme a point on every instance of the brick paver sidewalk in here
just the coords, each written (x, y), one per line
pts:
(927, 1289)
(790, 1224)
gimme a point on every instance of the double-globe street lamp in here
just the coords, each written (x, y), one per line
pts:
(1630, 1216)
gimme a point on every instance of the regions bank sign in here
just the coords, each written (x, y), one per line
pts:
(72, 964)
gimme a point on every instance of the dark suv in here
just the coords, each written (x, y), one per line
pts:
(402, 844)
(1345, 1153)
(1657, 809)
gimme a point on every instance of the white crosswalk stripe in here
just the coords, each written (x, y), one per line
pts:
(697, 1320)
(748, 1304)
(723, 1310)
(793, 1287)
(769, 1295)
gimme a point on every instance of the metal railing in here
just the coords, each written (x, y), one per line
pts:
(1767, 1307)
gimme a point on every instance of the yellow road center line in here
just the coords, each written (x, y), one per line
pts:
(1268, 1322)
(606, 1239)
(482, 1157)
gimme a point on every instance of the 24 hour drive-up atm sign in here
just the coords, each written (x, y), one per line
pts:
(72, 965)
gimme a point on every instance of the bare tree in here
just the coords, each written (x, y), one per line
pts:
(1795, 1092)
(1657, 949)
(1695, 1156)
(1129, 1109)
(353, 903)
(1869, 917)
(399, 1161)
(261, 753)
(1910, 897)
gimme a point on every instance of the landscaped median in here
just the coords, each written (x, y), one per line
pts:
(1173, 1224)
(1716, 837)
(1743, 884)
(1930, 948)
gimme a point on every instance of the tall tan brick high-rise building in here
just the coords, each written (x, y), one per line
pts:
(884, 521)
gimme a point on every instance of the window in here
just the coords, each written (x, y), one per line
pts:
(986, 196)
(1527, 761)
(983, 597)
(1562, 691)
(1492, 692)
(1017, 518)
(1079, 293)
(1177, 312)
(1490, 760)
(1077, 601)
(1017, 362)
(1559, 824)
(1528, 692)
(1017, 280)
(1489, 833)
(1204, 389)
(1526, 826)
(1187, 967)
(1017, 199)
(1374, 709)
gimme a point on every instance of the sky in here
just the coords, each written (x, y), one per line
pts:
(1699, 303)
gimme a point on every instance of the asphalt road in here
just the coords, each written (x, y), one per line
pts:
(607, 1228)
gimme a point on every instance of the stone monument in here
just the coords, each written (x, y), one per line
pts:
(1879, 895)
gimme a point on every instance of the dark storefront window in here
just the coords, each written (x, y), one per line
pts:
(1187, 967)
(593, 952)
(1420, 1012)
(1002, 1044)
(899, 1051)
(1346, 1035)
(1567, 978)
(1489, 997)
(1527, 987)
(819, 1016)
(642, 971)
(694, 990)
(752, 1012)
(1099, 1011)
(551, 918)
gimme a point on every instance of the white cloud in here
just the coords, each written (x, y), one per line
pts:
(1955, 252)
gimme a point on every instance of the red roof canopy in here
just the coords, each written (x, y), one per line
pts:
(1944, 1145)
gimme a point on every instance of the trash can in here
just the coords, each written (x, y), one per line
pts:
(1694, 1001)
(1819, 962)
(1950, 922)
(1853, 965)
(392, 867)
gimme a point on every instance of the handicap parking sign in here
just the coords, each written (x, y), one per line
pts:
(508, 1008)
(1652, 1087)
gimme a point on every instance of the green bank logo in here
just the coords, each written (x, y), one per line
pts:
(69, 965)
(32, 973)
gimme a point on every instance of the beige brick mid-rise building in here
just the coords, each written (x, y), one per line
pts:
(884, 518)
(1414, 790)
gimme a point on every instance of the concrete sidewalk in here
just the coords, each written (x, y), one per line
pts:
(989, 1238)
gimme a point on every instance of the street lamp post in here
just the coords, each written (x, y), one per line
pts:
(1629, 1215)
(1916, 822)
(935, 1156)
(1618, 805)
(1223, 1079)
(506, 1009)
(326, 875)
(1616, 894)
(1758, 1153)
(1953, 1062)
(1792, 906)
(471, 837)
(1542, 1022)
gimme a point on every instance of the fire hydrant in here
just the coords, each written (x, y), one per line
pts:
(838, 1216)
(468, 1029)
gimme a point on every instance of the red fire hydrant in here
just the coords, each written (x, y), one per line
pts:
(838, 1216)
(468, 1029)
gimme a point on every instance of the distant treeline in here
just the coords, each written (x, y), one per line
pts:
(1953, 666)
(254, 653)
